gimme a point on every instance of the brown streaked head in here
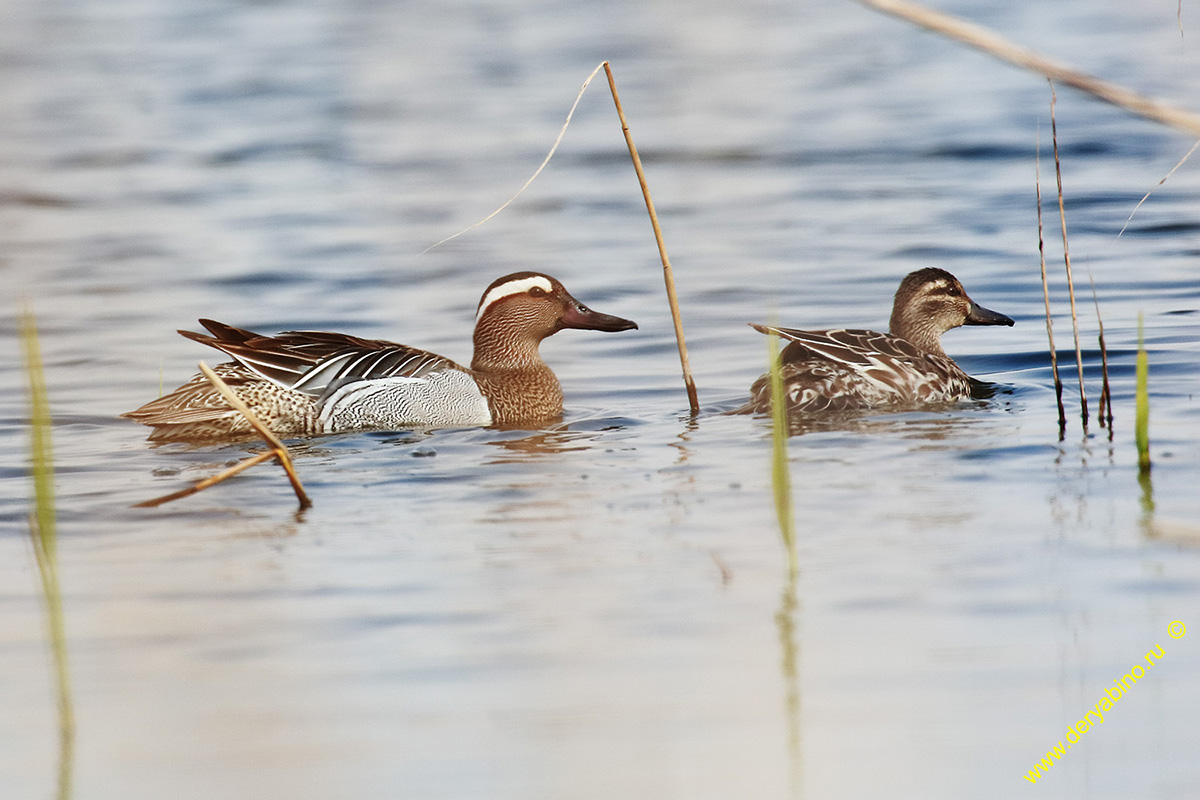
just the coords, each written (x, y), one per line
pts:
(930, 302)
(519, 310)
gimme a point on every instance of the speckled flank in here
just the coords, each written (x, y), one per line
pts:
(197, 411)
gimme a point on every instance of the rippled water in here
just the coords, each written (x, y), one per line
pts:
(601, 609)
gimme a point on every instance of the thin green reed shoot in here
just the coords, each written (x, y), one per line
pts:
(43, 532)
(781, 480)
(41, 453)
(1142, 421)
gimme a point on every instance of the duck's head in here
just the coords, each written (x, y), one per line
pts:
(930, 302)
(521, 309)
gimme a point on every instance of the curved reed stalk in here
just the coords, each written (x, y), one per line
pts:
(992, 43)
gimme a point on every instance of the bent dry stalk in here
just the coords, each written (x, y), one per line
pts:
(989, 42)
(278, 451)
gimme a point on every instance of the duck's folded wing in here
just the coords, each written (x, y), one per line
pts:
(318, 363)
(882, 362)
(854, 348)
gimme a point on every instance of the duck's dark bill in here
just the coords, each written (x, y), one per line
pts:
(979, 315)
(580, 316)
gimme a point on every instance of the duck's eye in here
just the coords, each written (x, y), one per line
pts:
(537, 291)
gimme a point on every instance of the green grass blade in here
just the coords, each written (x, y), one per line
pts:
(43, 532)
(781, 480)
(41, 452)
(1142, 419)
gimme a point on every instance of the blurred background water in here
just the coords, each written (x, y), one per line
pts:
(601, 609)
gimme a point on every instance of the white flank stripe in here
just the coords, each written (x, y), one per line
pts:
(321, 372)
(510, 288)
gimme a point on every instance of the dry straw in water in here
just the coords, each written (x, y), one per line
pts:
(668, 273)
(1058, 387)
(1062, 216)
(278, 452)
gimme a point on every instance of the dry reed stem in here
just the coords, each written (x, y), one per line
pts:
(983, 39)
(1146, 196)
(212, 480)
(668, 276)
(1058, 387)
(554, 148)
(723, 567)
(1104, 413)
(1062, 215)
(278, 451)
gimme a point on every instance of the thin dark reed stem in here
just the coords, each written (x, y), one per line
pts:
(1062, 215)
(1104, 413)
(668, 276)
(1058, 387)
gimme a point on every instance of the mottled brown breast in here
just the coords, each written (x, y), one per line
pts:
(529, 394)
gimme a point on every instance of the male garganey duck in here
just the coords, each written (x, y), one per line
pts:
(846, 370)
(305, 383)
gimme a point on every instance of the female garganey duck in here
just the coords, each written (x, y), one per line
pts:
(305, 383)
(845, 370)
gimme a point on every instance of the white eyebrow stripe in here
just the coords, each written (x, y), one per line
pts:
(510, 288)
